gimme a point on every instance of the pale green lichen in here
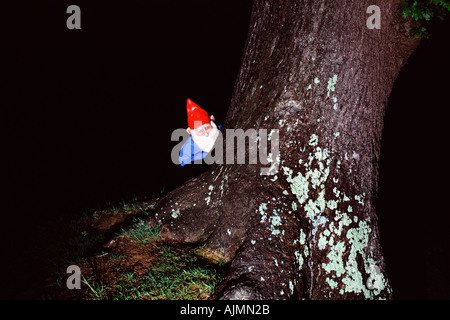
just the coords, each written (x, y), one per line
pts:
(318, 221)
(336, 191)
(343, 218)
(313, 179)
(276, 262)
(321, 203)
(315, 176)
(336, 263)
(333, 284)
(302, 237)
(358, 238)
(376, 281)
(340, 225)
(321, 154)
(342, 269)
(331, 240)
(313, 140)
(299, 185)
(335, 105)
(360, 198)
(220, 171)
(332, 204)
(291, 287)
(299, 258)
(262, 210)
(208, 198)
(311, 209)
(275, 221)
(322, 243)
(331, 84)
(175, 214)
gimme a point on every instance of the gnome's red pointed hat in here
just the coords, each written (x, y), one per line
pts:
(196, 115)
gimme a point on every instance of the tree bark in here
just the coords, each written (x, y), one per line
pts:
(314, 71)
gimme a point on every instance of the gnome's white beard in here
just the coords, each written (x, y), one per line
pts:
(207, 143)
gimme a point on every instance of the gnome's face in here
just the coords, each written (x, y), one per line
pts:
(202, 128)
(205, 136)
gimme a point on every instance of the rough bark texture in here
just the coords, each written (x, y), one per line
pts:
(313, 70)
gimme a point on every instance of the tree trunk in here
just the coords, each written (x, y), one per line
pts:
(314, 71)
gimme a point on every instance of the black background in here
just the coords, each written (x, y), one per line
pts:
(89, 114)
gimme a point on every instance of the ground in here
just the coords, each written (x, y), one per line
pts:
(120, 258)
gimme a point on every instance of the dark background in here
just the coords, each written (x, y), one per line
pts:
(89, 114)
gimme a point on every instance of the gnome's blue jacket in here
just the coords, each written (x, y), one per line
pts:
(190, 151)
